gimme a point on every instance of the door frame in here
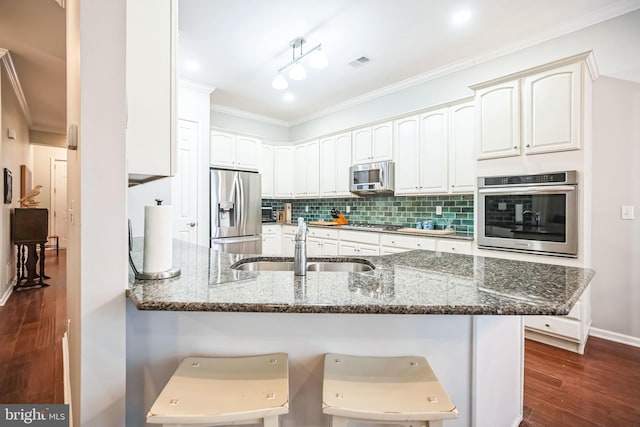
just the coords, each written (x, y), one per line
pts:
(52, 180)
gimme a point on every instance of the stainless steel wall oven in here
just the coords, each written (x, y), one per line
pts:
(529, 213)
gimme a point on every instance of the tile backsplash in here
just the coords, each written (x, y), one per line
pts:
(403, 211)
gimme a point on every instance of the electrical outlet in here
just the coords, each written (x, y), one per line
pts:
(306, 208)
(348, 210)
(438, 210)
(626, 212)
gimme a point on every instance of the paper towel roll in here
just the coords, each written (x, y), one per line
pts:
(158, 234)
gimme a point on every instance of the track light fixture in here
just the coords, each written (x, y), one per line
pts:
(317, 59)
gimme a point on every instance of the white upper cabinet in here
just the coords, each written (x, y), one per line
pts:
(283, 172)
(540, 111)
(307, 170)
(335, 160)
(551, 105)
(373, 143)
(151, 100)
(234, 151)
(434, 151)
(266, 171)
(462, 160)
(498, 120)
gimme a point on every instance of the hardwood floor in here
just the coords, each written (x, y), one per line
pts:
(32, 323)
(562, 389)
(599, 388)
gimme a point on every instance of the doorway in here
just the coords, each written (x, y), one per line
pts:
(58, 215)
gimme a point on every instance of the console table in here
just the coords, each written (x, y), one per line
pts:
(29, 229)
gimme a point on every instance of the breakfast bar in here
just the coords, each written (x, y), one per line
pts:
(462, 312)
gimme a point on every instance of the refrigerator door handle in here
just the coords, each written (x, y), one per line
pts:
(236, 239)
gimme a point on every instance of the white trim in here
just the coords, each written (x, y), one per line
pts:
(615, 337)
(8, 292)
(198, 87)
(247, 115)
(5, 56)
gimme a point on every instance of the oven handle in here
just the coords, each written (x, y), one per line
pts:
(528, 190)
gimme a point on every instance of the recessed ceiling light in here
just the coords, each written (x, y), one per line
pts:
(288, 97)
(192, 65)
(461, 17)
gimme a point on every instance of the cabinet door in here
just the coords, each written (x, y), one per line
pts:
(300, 170)
(368, 250)
(407, 147)
(382, 142)
(266, 170)
(433, 152)
(348, 248)
(552, 106)
(312, 164)
(328, 166)
(270, 244)
(314, 246)
(151, 119)
(288, 245)
(329, 247)
(462, 162)
(222, 149)
(342, 164)
(283, 172)
(361, 139)
(247, 152)
(498, 120)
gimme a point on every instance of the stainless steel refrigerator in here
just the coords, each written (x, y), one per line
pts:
(236, 211)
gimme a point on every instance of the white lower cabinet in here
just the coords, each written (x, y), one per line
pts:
(359, 243)
(321, 242)
(288, 240)
(569, 332)
(271, 239)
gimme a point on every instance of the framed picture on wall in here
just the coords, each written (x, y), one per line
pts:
(8, 185)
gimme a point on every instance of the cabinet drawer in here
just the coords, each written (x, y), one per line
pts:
(270, 229)
(289, 229)
(555, 325)
(454, 246)
(408, 242)
(360, 237)
(323, 233)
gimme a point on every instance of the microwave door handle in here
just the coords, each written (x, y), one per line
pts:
(528, 190)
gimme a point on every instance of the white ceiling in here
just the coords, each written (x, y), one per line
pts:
(240, 44)
(33, 31)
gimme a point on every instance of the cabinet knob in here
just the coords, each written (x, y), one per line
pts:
(418, 244)
(547, 325)
(528, 145)
(515, 147)
(191, 224)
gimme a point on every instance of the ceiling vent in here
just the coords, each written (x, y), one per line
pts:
(359, 62)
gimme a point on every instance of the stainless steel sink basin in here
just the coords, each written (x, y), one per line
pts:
(343, 266)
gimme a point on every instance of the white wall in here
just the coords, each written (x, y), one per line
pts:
(97, 256)
(616, 182)
(13, 153)
(249, 126)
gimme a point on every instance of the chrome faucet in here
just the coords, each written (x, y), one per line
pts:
(535, 216)
(300, 253)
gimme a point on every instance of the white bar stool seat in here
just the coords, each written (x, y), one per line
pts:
(388, 390)
(214, 391)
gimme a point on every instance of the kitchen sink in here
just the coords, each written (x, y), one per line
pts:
(339, 266)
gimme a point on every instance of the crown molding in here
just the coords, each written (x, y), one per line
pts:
(247, 115)
(5, 58)
(199, 87)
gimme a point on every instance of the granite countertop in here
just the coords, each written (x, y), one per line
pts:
(414, 282)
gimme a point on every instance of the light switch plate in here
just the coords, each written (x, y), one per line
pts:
(626, 212)
(438, 210)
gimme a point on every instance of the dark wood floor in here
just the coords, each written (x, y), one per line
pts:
(32, 323)
(599, 388)
(562, 389)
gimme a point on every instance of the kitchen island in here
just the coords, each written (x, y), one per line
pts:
(463, 313)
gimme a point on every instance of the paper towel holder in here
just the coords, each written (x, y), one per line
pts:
(139, 275)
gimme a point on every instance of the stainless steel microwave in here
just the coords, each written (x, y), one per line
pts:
(372, 178)
(529, 213)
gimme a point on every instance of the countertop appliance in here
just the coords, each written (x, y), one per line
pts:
(236, 220)
(372, 178)
(529, 213)
(268, 214)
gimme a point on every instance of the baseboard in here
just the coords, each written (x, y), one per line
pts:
(517, 421)
(614, 336)
(7, 293)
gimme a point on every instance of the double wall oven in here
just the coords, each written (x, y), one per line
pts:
(529, 213)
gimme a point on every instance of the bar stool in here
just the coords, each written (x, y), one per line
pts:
(391, 390)
(213, 391)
